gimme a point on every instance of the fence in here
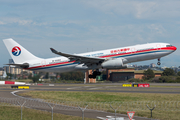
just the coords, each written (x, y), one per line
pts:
(100, 106)
(51, 105)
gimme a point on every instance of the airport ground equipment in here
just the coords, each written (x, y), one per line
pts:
(143, 85)
(136, 85)
(127, 85)
(20, 87)
(11, 83)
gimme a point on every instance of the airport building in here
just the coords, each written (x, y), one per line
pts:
(13, 70)
(1, 71)
(125, 74)
(152, 65)
(121, 75)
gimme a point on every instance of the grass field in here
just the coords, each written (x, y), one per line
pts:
(24, 80)
(109, 97)
(100, 96)
(14, 113)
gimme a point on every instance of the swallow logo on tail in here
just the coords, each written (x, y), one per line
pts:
(16, 51)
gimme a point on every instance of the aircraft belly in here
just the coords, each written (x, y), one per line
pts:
(63, 68)
(59, 69)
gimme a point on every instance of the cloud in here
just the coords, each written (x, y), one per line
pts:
(65, 22)
(24, 22)
(157, 29)
(21, 21)
(134, 33)
(143, 9)
(11, 20)
(139, 9)
(2, 23)
(75, 25)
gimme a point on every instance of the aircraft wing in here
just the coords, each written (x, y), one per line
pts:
(81, 59)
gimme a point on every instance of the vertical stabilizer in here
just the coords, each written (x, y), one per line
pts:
(18, 53)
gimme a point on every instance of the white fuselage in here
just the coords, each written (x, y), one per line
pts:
(127, 54)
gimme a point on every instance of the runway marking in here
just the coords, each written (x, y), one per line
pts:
(74, 88)
(4, 90)
(110, 86)
(113, 118)
(95, 88)
(14, 93)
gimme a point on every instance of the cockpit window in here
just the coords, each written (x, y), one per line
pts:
(168, 45)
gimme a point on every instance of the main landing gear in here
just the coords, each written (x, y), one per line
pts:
(159, 63)
(95, 73)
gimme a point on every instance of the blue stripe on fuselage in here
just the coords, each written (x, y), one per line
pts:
(131, 54)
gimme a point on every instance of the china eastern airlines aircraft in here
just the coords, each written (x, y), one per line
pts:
(115, 58)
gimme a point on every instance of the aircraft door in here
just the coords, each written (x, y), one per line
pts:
(133, 50)
(43, 63)
(158, 46)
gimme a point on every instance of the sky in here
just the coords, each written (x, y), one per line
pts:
(78, 26)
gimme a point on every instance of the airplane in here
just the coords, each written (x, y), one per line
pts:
(115, 58)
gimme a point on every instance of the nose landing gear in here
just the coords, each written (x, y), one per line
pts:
(159, 63)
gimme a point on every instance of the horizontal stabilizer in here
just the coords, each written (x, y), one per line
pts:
(25, 65)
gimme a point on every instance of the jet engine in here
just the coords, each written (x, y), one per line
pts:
(113, 64)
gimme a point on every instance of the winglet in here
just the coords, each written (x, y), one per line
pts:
(54, 51)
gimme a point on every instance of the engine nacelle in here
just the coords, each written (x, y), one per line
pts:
(113, 64)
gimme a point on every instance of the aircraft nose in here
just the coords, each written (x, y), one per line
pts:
(174, 48)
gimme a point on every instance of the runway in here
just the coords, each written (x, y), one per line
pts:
(5, 92)
(117, 87)
(171, 88)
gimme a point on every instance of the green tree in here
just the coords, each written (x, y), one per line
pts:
(148, 74)
(165, 79)
(79, 76)
(168, 72)
(9, 75)
(36, 78)
(30, 76)
(178, 79)
(178, 73)
(47, 75)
